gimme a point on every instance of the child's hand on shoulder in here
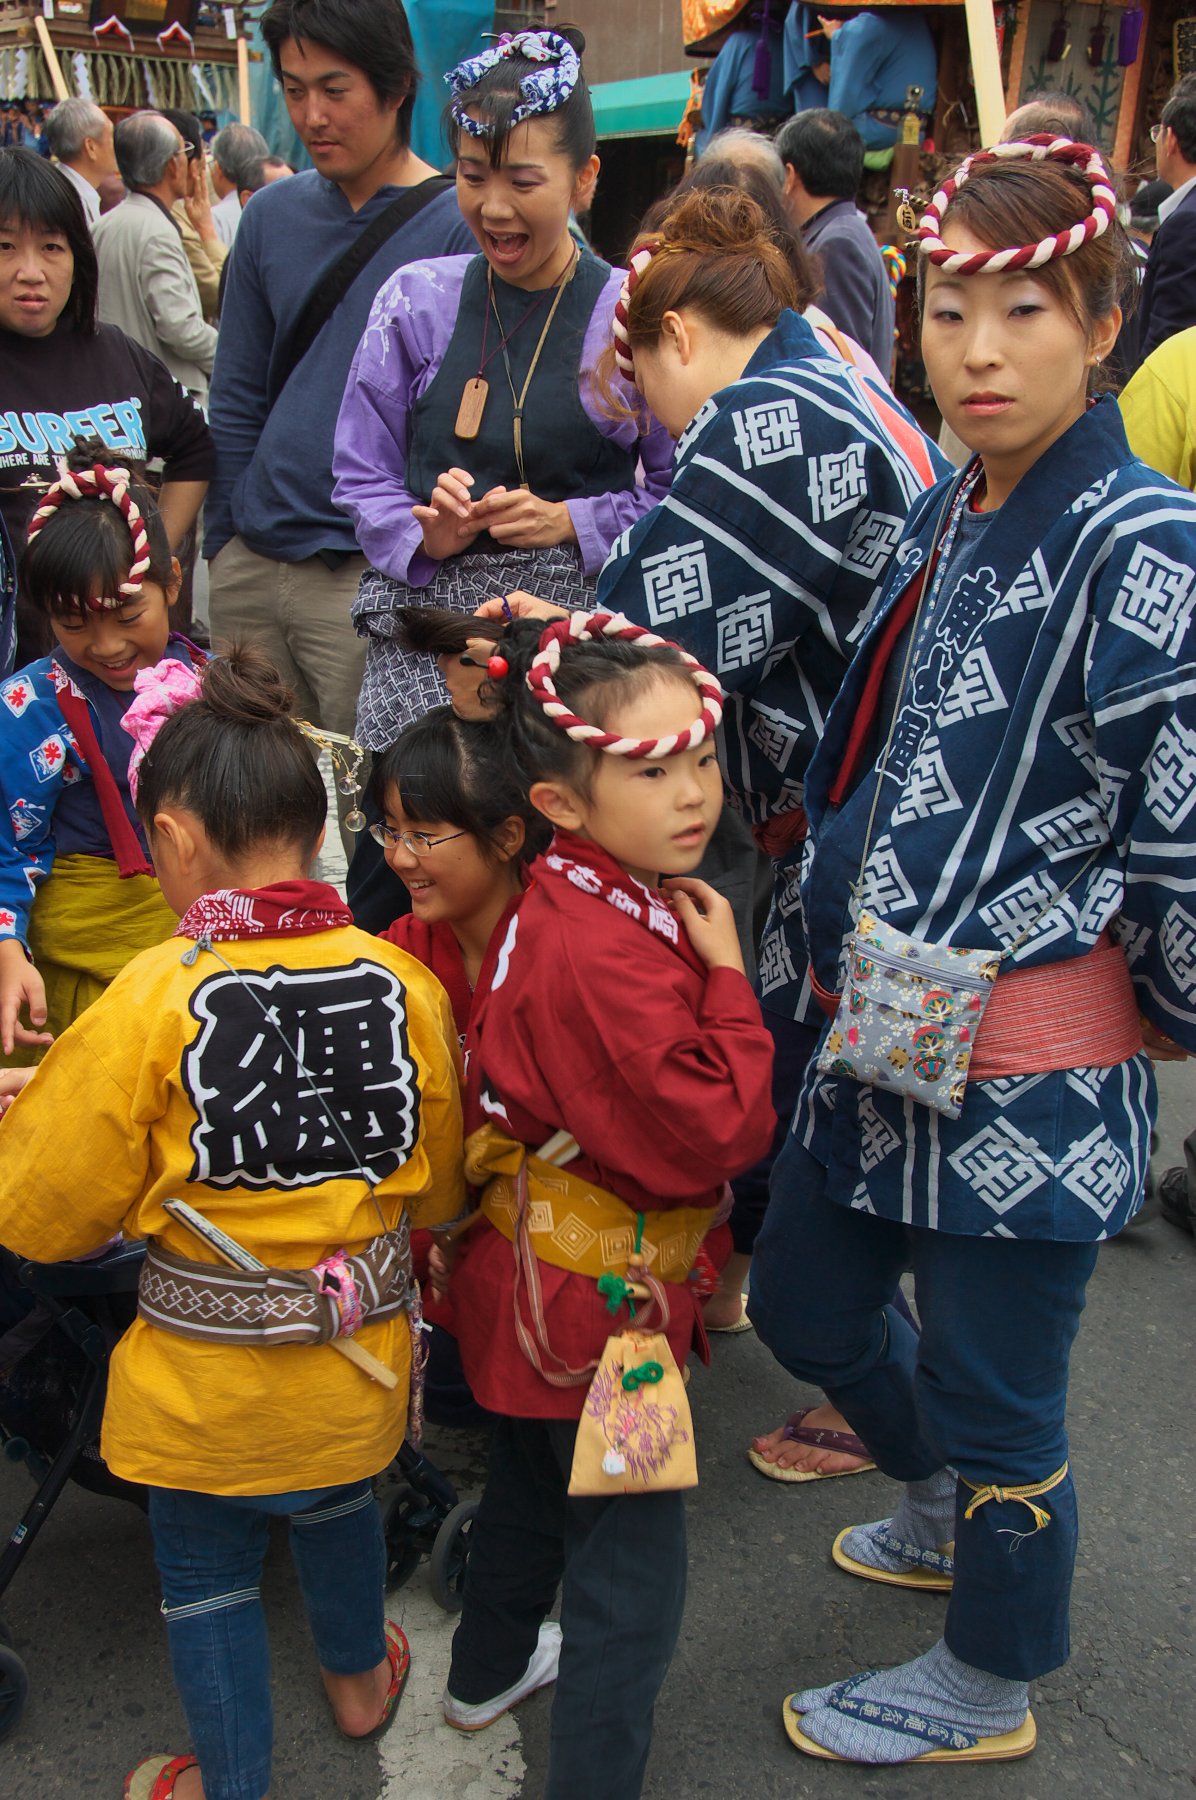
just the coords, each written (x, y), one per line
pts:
(20, 985)
(708, 920)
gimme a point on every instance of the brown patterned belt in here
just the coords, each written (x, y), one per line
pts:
(218, 1305)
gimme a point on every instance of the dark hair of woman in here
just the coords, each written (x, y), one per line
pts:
(448, 770)
(237, 760)
(496, 96)
(84, 549)
(34, 192)
(1006, 204)
(372, 35)
(750, 179)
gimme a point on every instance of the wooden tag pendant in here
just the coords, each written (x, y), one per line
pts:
(473, 405)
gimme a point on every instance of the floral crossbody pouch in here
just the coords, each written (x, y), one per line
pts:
(910, 1009)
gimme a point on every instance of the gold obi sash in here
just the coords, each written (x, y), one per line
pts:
(575, 1225)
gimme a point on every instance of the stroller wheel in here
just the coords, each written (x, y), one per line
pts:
(402, 1549)
(450, 1556)
(14, 1690)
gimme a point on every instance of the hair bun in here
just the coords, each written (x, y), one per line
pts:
(243, 687)
(572, 34)
(83, 456)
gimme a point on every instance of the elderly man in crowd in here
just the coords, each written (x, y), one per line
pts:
(234, 152)
(80, 137)
(146, 284)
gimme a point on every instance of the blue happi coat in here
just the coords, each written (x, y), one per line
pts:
(789, 492)
(1045, 734)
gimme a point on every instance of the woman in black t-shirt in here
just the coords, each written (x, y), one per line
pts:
(64, 377)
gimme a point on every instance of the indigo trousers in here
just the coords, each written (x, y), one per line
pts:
(621, 1567)
(982, 1391)
(209, 1550)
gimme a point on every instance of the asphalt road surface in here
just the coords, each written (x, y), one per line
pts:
(768, 1612)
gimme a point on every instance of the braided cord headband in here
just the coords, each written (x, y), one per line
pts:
(102, 484)
(1040, 148)
(547, 660)
(542, 91)
(636, 264)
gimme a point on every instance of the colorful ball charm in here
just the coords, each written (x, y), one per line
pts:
(497, 667)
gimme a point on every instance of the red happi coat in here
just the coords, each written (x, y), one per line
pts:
(589, 1019)
(435, 946)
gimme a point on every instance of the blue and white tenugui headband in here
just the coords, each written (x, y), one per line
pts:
(542, 91)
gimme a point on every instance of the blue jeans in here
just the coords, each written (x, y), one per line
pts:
(982, 1391)
(209, 1550)
(621, 1567)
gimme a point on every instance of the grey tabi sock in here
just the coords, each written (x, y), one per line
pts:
(924, 1520)
(935, 1702)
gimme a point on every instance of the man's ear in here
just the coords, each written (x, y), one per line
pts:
(559, 804)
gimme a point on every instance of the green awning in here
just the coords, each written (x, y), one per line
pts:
(648, 106)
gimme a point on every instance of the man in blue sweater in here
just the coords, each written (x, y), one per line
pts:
(284, 562)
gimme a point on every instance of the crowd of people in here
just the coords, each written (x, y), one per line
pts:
(766, 834)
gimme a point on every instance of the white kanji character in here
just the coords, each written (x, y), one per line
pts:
(768, 433)
(676, 582)
(744, 632)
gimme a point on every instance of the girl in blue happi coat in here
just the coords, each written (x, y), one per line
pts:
(1001, 811)
(78, 896)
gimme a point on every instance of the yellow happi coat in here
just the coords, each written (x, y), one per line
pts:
(174, 1085)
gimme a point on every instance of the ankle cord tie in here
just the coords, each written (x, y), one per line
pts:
(1025, 1494)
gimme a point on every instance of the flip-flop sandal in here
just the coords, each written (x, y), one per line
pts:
(742, 1323)
(846, 1443)
(155, 1776)
(398, 1654)
(970, 1748)
(929, 1572)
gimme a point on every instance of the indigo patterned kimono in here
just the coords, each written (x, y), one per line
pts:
(1040, 786)
(790, 490)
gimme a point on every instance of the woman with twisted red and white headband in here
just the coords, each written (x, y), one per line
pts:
(1000, 809)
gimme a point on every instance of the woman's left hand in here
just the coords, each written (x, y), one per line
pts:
(515, 516)
(466, 676)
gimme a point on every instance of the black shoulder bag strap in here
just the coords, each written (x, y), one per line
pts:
(331, 288)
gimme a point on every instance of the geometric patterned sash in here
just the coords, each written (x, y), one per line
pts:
(219, 1305)
(572, 1223)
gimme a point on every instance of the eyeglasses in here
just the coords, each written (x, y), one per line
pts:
(1156, 132)
(417, 842)
(190, 151)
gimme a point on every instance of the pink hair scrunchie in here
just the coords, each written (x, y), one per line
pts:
(160, 693)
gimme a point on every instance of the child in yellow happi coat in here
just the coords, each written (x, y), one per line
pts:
(295, 1081)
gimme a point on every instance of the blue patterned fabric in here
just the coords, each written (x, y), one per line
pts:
(1045, 734)
(543, 91)
(789, 494)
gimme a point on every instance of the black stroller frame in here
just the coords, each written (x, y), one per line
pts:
(87, 1306)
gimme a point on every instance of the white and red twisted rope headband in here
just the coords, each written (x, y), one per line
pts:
(600, 625)
(104, 484)
(1041, 148)
(624, 361)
